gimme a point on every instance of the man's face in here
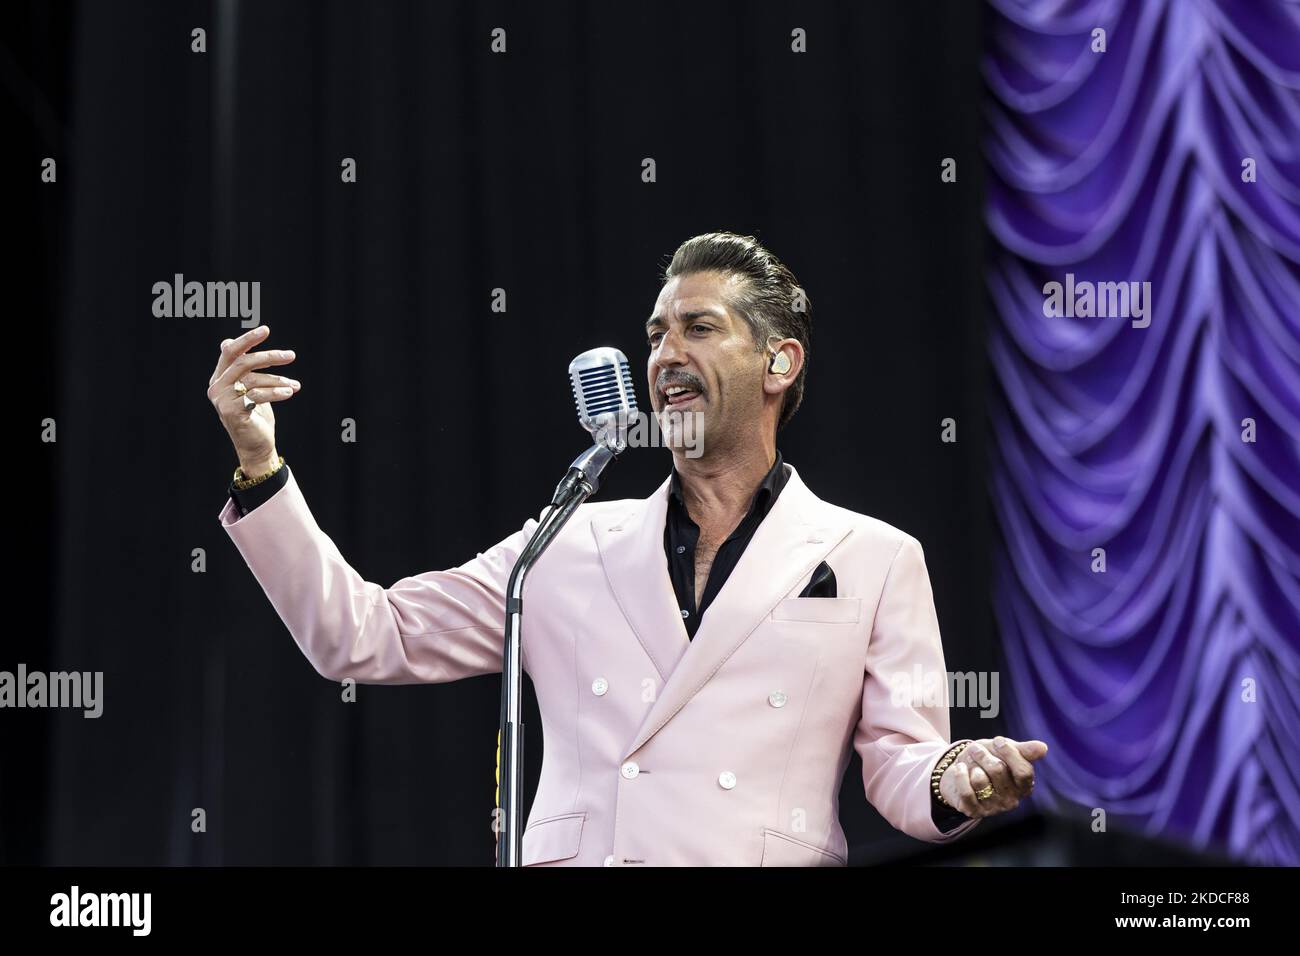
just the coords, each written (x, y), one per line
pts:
(702, 361)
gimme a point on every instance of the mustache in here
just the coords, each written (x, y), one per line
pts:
(685, 379)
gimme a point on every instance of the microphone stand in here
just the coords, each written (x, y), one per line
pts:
(579, 484)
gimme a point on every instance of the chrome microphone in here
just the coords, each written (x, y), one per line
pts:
(602, 390)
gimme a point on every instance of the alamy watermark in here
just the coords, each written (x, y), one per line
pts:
(75, 908)
(1104, 300)
(664, 429)
(73, 689)
(931, 688)
(208, 300)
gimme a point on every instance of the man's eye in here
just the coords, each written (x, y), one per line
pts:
(654, 339)
(704, 327)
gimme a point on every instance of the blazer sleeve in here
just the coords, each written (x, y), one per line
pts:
(432, 627)
(903, 730)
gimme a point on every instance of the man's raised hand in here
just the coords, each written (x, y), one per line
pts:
(252, 428)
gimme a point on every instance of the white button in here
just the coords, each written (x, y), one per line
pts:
(681, 549)
(609, 860)
(726, 780)
(599, 686)
(630, 769)
(777, 699)
(685, 613)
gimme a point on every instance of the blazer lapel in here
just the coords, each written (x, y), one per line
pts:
(790, 542)
(632, 552)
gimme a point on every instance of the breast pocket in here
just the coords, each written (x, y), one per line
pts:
(839, 610)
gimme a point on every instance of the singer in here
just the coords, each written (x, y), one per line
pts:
(703, 658)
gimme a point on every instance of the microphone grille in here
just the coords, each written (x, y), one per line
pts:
(602, 387)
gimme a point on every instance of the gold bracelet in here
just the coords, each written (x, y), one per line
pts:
(953, 753)
(243, 484)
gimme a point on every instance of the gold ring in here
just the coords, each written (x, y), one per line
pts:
(242, 389)
(985, 793)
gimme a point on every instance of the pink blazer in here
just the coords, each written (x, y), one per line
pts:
(727, 749)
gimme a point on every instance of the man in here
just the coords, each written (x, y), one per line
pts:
(703, 658)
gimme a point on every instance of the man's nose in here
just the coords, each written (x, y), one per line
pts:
(670, 351)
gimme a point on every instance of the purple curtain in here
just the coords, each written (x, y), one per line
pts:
(1146, 473)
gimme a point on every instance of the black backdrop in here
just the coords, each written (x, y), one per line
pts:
(476, 171)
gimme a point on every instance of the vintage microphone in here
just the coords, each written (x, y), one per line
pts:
(602, 389)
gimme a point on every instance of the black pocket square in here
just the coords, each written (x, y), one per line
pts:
(822, 583)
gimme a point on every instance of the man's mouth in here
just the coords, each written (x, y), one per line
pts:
(676, 395)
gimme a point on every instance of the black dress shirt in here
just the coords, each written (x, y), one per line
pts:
(681, 534)
(680, 537)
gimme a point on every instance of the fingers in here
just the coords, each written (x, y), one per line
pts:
(277, 394)
(245, 363)
(1021, 770)
(1031, 750)
(997, 770)
(263, 380)
(967, 803)
(231, 349)
(236, 364)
